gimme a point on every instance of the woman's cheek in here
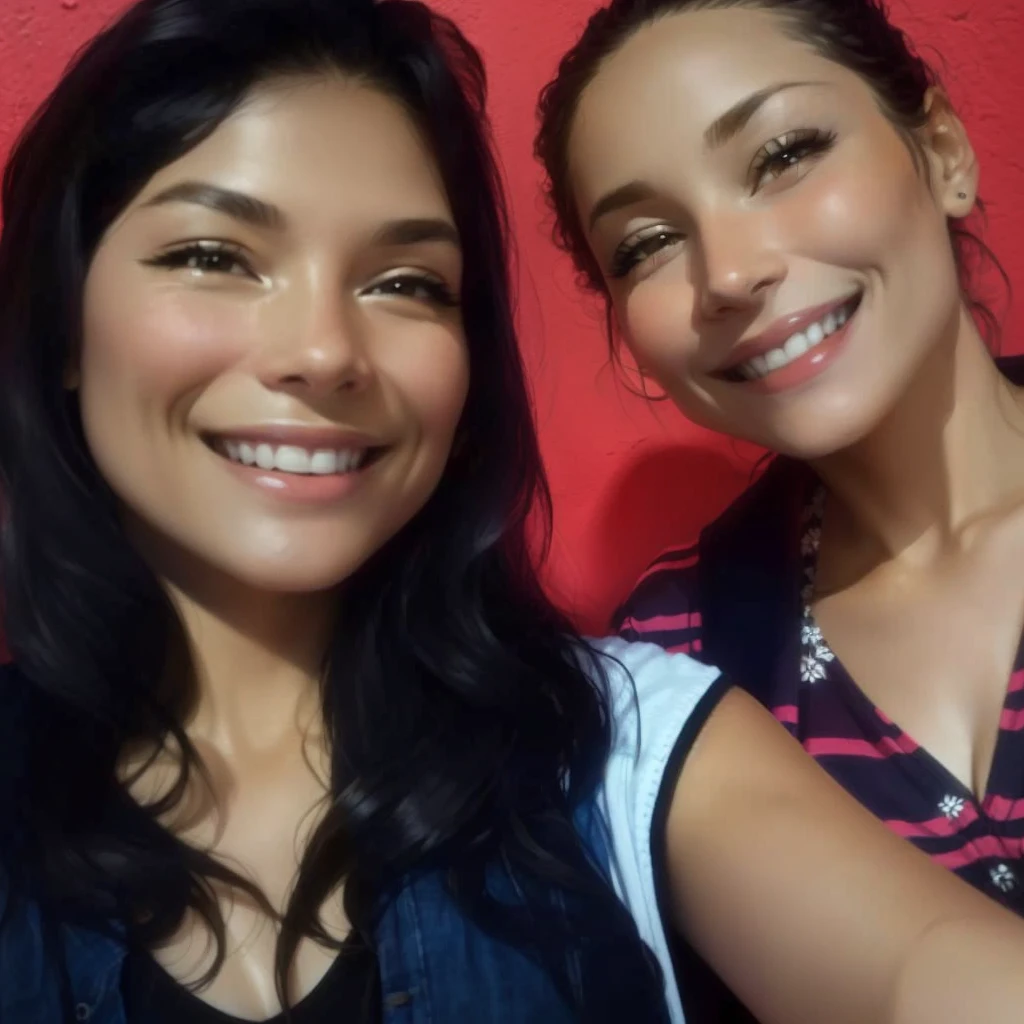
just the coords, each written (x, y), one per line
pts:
(657, 323)
(853, 211)
(160, 337)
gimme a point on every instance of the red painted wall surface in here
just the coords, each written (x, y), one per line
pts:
(628, 478)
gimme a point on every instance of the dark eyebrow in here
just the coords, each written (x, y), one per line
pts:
(625, 195)
(735, 119)
(408, 231)
(412, 231)
(222, 200)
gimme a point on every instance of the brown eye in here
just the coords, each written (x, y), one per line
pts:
(221, 262)
(417, 287)
(204, 258)
(634, 252)
(788, 151)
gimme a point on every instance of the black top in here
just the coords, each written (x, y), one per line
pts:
(349, 991)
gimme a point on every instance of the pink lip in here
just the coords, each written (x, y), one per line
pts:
(777, 333)
(311, 438)
(808, 366)
(310, 489)
(300, 488)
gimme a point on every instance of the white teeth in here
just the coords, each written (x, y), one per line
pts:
(800, 343)
(292, 459)
(264, 456)
(796, 346)
(324, 463)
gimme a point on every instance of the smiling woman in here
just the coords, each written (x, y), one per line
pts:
(792, 173)
(773, 197)
(278, 645)
(210, 335)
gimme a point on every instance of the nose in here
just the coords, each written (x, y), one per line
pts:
(738, 263)
(319, 346)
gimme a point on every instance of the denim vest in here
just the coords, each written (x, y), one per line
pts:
(436, 966)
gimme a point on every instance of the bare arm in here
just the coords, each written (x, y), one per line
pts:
(810, 909)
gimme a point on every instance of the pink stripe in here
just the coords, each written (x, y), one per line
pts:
(902, 743)
(1011, 721)
(825, 746)
(1016, 682)
(1002, 809)
(664, 623)
(787, 713)
(936, 828)
(681, 562)
(980, 849)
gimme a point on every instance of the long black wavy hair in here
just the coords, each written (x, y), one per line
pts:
(465, 720)
(857, 34)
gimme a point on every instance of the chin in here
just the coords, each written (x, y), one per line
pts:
(809, 450)
(294, 574)
(816, 425)
(819, 439)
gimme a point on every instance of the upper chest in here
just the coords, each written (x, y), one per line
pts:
(436, 966)
(934, 648)
(255, 817)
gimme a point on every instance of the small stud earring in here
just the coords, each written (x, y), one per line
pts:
(961, 195)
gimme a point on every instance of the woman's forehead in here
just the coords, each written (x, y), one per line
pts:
(317, 144)
(675, 78)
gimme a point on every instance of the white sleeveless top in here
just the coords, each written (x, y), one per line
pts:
(658, 710)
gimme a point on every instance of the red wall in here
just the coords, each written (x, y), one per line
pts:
(628, 479)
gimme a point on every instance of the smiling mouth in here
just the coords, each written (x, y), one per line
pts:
(796, 345)
(295, 459)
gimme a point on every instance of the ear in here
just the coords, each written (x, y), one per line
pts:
(72, 378)
(951, 161)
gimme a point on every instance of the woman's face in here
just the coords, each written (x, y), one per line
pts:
(774, 256)
(273, 365)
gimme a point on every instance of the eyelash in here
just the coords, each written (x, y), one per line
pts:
(632, 253)
(790, 150)
(192, 257)
(432, 290)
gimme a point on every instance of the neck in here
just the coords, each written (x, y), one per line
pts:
(946, 455)
(257, 664)
(254, 657)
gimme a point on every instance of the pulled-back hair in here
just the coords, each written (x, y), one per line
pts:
(857, 34)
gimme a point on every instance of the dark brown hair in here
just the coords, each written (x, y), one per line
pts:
(854, 33)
